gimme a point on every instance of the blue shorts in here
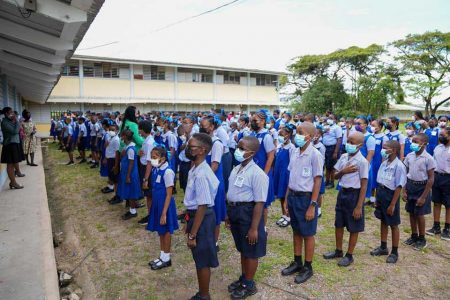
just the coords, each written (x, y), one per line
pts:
(384, 198)
(441, 189)
(93, 143)
(240, 220)
(347, 200)
(322, 186)
(298, 205)
(329, 161)
(414, 191)
(205, 253)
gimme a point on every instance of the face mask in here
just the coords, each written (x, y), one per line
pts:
(300, 140)
(189, 155)
(330, 122)
(414, 147)
(409, 132)
(384, 153)
(202, 130)
(358, 128)
(112, 133)
(281, 139)
(443, 140)
(442, 124)
(239, 155)
(159, 128)
(183, 139)
(351, 149)
(342, 124)
(373, 129)
(268, 126)
(254, 126)
(284, 120)
(154, 162)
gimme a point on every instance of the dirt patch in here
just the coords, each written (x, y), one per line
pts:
(114, 253)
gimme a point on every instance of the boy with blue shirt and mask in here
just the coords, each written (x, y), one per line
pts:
(332, 138)
(246, 196)
(353, 172)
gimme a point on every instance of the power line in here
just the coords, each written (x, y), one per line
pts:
(169, 25)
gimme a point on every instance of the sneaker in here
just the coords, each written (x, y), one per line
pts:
(379, 251)
(445, 235)
(243, 292)
(345, 261)
(128, 216)
(234, 285)
(144, 220)
(333, 254)
(433, 230)
(303, 275)
(392, 258)
(410, 241)
(291, 269)
(419, 245)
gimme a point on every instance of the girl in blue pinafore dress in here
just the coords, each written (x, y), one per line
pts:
(377, 129)
(367, 150)
(129, 187)
(163, 212)
(281, 173)
(104, 172)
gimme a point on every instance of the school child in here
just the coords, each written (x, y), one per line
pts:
(443, 120)
(321, 148)
(214, 158)
(112, 147)
(232, 140)
(353, 172)
(332, 139)
(243, 125)
(82, 134)
(163, 212)
(281, 173)
(306, 172)
(102, 147)
(408, 139)
(100, 142)
(227, 160)
(246, 196)
(94, 130)
(67, 139)
(129, 187)
(441, 186)
(53, 132)
(377, 127)
(273, 132)
(392, 124)
(265, 155)
(59, 131)
(433, 135)
(391, 178)
(367, 150)
(185, 164)
(346, 131)
(170, 142)
(201, 190)
(420, 166)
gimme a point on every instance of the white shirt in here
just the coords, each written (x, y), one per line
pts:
(248, 184)
(201, 187)
(221, 133)
(113, 147)
(147, 147)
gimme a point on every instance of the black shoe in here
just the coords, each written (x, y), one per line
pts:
(303, 275)
(329, 186)
(433, 230)
(107, 190)
(419, 245)
(95, 165)
(70, 163)
(392, 258)
(379, 251)
(333, 254)
(128, 216)
(234, 285)
(410, 241)
(115, 200)
(345, 261)
(198, 297)
(82, 161)
(144, 220)
(217, 248)
(161, 265)
(243, 292)
(291, 269)
(445, 235)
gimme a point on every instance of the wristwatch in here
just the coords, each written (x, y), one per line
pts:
(191, 236)
(313, 203)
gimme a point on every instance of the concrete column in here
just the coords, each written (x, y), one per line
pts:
(81, 77)
(215, 87)
(175, 84)
(131, 81)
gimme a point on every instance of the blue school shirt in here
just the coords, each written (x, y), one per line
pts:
(433, 139)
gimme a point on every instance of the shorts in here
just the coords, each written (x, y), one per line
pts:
(240, 220)
(441, 189)
(347, 200)
(93, 144)
(329, 161)
(183, 173)
(81, 146)
(68, 146)
(141, 169)
(384, 198)
(414, 191)
(322, 186)
(205, 253)
(298, 205)
(110, 162)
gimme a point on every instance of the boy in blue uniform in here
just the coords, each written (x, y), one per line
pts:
(305, 179)
(391, 178)
(353, 172)
(420, 166)
(332, 138)
(199, 197)
(246, 196)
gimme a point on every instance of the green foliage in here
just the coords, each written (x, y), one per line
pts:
(374, 94)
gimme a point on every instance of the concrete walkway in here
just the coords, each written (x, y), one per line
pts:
(27, 260)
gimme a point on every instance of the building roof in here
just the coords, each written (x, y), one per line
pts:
(410, 107)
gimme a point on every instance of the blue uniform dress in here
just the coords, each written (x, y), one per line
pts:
(104, 171)
(220, 208)
(281, 173)
(129, 191)
(87, 144)
(364, 153)
(433, 139)
(260, 159)
(53, 129)
(407, 145)
(172, 158)
(377, 159)
(159, 194)
(73, 140)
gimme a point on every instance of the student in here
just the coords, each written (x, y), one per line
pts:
(391, 178)
(209, 125)
(271, 127)
(420, 166)
(332, 138)
(227, 160)
(201, 190)
(185, 164)
(129, 187)
(94, 130)
(67, 139)
(170, 142)
(246, 197)
(145, 167)
(102, 147)
(441, 186)
(305, 179)
(82, 135)
(443, 120)
(367, 150)
(232, 140)
(281, 173)
(346, 131)
(408, 139)
(112, 147)
(321, 148)
(433, 135)
(243, 123)
(163, 212)
(265, 155)
(392, 124)
(378, 134)
(353, 172)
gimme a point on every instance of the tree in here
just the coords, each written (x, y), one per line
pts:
(374, 93)
(426, 60)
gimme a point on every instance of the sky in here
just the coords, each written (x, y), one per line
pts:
(253, 34)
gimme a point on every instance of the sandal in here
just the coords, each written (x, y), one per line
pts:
(161, 264)
(285, 223)
(280, 220)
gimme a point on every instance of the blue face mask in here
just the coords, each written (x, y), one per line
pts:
(351, 149)
(239, 155)
(414, 147)
(300, 140)
(281, 139)
(384, 153)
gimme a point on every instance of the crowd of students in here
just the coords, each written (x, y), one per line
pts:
(232, 167)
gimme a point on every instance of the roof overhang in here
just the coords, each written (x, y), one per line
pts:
(34, 46)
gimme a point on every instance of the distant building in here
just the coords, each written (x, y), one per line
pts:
(405, 111)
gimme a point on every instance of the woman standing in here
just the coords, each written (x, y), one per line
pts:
(11, 155)
(29, 142)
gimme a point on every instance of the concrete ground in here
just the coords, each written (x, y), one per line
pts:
(27, 260)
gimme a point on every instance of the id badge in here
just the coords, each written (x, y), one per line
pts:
(306, 172)
(260, 140)
(239, 181)
(388, 175)
(158, 179)
(433, 133)
(378, 142)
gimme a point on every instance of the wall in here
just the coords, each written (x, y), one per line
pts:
(67, 87)
(94, 87)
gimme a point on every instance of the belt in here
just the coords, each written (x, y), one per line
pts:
(417, 182)
(190, 213)
(442, 174)
(230, 203)
(384, 187)
(299, 193)
(349, 190)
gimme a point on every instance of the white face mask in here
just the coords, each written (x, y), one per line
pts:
(183, 138)
(154, 162)
(442, 124)
(112, 133)
(330, 122)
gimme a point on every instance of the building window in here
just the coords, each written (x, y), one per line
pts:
(71, 69)
(263, 80)
(231, 77)
(105, 70)
(154, 73)
(195, 75)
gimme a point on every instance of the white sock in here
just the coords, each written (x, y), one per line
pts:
(111, 186)
(165, 257)
(265, 228)
(133, 210)
(372, 199)
(161, 255)
(287, 218)
(319, 211)
(217, 243)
